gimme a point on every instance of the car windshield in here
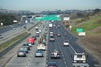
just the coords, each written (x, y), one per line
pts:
(21, 51)
(38, 51)
(25, 44)
(51, 36)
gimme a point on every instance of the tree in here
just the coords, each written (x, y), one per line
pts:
(96, 11)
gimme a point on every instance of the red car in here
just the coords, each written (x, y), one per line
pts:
(31, 40)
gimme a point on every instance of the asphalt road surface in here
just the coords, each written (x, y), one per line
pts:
(65, 51)
(15, 31)
(30, 60)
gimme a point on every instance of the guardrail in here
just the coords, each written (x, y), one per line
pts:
(13, 45)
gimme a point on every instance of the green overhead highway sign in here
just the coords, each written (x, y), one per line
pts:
(47, 17)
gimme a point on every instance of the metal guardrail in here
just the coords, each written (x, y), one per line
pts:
(13, 45)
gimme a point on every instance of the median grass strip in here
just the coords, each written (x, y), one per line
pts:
(12, 41)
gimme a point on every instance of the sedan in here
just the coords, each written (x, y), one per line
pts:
(58, 35)
(66, 43)
(24, 49)
(52, 64)
(21, 53)
(34, 37)
(26, 45)
(38, 53)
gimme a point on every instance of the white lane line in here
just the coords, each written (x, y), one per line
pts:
(62, 53)
(96, 65)
(69, 40)
(64, 59)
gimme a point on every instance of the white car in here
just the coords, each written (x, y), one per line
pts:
(66, 43)
(41, 47)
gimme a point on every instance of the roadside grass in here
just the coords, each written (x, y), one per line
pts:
(92, 40)
(12, 41)
(88, 25)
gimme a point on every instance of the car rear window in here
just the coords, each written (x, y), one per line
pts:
(52, 64)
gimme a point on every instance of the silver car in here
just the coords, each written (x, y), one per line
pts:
(38, 53)
(21, 53)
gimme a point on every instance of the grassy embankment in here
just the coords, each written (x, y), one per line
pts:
(92, 27)
(12, 41)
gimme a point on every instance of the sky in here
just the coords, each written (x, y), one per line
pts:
(43, 5)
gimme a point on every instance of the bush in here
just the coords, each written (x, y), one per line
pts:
(7, 19)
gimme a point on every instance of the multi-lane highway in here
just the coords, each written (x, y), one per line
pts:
(14, 30)
(65, 51)
(30, 60)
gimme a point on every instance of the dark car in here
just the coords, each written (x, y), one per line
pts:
(21, 53)
(52, 38)
(58, 34)
(37, 35)
(24, 48)
(52, 64)
(34, 37)
(26, 45)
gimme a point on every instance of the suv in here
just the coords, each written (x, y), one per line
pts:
(52, 38)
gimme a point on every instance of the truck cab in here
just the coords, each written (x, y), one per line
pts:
(80, 60)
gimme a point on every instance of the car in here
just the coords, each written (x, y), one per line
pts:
(31, 40)
(21, 53)
(54, 34)
(55, 54)
(37, 32)
(52, 38)
(37, 35)
(58, 34)
(41, 47)
(29, 43)
(39, 53)
(66, 43)
(34, 37)
(26, 45)
(46, 32)
(24, 49)
(1, 36)
(58, 26)
(52, 64)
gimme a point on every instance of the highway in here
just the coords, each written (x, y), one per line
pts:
(14, 30)
(30, 60)
(65, 51)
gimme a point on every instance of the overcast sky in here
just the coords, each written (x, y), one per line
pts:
(41, 5)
